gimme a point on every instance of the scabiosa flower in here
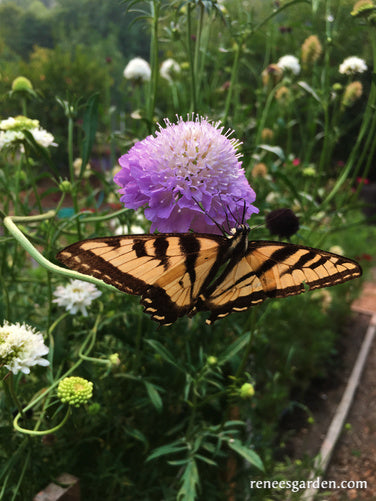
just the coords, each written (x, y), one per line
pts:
(289, 63)
(76, 296)
(22, 84)
(282, 222)
(352, 65)
(363, 7)
(75, 391)
(352, 93)
(311, 50)
(12, 132)
(186, 164)
(260, 170)
(138, 70)
(169, 69)
(271, 75)
(21, 347)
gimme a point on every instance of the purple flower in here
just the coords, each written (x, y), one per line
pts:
(186, 164)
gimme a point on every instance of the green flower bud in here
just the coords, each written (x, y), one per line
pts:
(65, 186)
(114, 359)
(21, 84)
(75, 391)
(212, 360)
(247, 391)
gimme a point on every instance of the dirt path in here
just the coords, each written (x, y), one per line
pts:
(354, 457)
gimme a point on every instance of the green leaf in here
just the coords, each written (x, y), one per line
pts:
(234, 348)
(277, 150)
(247, 453)
(163, 352)
(190, 482)
(154, 396)
(309, 90)
(90, 125)
(164, 450)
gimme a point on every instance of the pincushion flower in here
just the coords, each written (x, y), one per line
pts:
(76, 296)
(169, 69)
(289, 63)
(137, 69)
(352, 65)
(12, 132)
(21, 347)
(75, 391)
(186, 164)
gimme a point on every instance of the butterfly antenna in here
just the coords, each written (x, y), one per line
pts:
(221, 229)
(244, 210)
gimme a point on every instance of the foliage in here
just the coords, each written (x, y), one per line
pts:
(168, 419)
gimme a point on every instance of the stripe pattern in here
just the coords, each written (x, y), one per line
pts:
(182, 274)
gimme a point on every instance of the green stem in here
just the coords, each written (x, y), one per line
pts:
(193, 105)
(155, 6)
(21, 476)
(233, 80)
(32, 181)
(38, 432)
(27, 245)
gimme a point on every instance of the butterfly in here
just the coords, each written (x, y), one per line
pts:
(179, 274)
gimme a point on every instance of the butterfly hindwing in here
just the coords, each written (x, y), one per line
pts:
(274, 269)
(167, 270)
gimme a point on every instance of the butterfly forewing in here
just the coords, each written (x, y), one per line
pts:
(167, 270)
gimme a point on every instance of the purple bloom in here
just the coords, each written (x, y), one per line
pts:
(185, 163)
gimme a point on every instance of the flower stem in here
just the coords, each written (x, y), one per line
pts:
(28, 246)
(39, 432)
(193, 105)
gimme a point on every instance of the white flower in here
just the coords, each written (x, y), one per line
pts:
(12, 132)
(169, 69)
(10, 137)
(76, 296)
(21, 347)
(43, 137)
(352, 65)
(289, 63)
(137, 69)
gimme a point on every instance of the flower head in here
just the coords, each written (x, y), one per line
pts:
(12, 132)
(311, 50)
(363, 7)
(22, 84)
(282, 222)
(21, 347)
(352, 65)
(75, 391)
(352, 93)
(169, 69)
(186, 176)
(76, 296)
(289, 63)
(137, 69)
(271, 75)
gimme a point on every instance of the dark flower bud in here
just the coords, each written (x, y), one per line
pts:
(282, 222)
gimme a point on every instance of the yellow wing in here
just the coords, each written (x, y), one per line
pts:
(167, 270)
(274, 269)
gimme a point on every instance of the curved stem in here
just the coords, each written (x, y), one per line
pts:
(27, 245)
(39, 432)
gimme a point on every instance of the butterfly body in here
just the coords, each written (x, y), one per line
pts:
(179, 274)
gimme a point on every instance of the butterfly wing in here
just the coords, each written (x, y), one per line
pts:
(167, 270)
(274, 269)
